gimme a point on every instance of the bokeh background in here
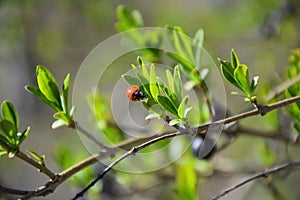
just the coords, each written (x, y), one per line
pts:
(60, 34)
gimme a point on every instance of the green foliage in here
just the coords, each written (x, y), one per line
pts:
(237, 74)
(48, 92)
(9, 125)
(132, 20)
(186, 179)
(187, 52)
(266, 155)
(37, 157)
(293, 71)
(103, 119)
(159, 96)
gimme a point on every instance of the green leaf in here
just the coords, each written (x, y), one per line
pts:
(254, 83)
(170, 80)
(197, 45)
(61, 115)
(186, 179)
(143, 67)
(234, 60)
(153, 83)
(177, 83)
(23, 135)
(37, 92)
(228, 73)
(5, 140)
(9, 113)
(241, 75)
(187, 65)
(167, 104)
(65, 93)
(182, 107)
(40, 159)
(47, 85)
(8, 128)
(130, 79)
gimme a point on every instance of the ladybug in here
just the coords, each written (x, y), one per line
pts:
(134, 94)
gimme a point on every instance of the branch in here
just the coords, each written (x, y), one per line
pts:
(43, 169)
(51, 186)
(133, 151)
(281, 88)
(7, 190)
(264, 174)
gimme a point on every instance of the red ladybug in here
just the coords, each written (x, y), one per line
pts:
(134, 94)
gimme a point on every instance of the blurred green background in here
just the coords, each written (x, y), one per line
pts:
(59, 35)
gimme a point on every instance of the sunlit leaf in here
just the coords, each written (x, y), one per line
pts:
(234, 60)
(9, 113)
(153, 83)
(47, 84)
(177, 83)
(167, 104)
(182, 107)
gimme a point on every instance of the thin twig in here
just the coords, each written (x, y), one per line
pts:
(264, 174)
(7, 190)
(42, 168)
(281, 88)
(125, 155)
(51, 186)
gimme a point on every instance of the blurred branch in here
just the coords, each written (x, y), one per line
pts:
(264, 174)
(7, 190)
(133, 151)
(275, 135)
(50, 186)
(281, 88)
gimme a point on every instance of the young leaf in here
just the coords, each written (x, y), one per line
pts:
(143, 67)
(23, 135)
(130, 79)
(170, 80)
(37, 92)
(153, 83)
(8, 128)
(187, 65)
(65, 93)
(234, 60)
(5, 140)
(167, 104)
(182, 107)
(228, 73)
(9, 113)
(197, 45)
(241, 75)
(177, 83)
(40, 159)
(47, 84)
(254, 83)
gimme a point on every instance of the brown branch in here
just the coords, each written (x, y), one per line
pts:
(43, 169)
(51, 186)
(133, 151)
(264, 174)
(281, 88)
